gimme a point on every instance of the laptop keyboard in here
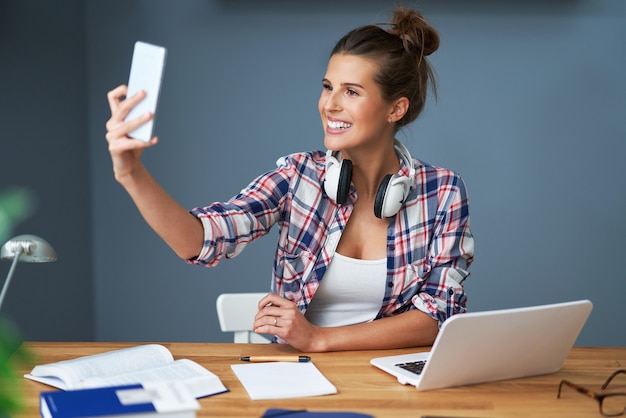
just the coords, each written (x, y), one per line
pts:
(413, 366)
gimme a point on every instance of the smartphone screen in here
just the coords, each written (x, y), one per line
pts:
(146, 73)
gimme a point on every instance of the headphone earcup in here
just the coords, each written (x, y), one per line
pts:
(390, 195)
(343, 185)
(379, 201)
(337, 179)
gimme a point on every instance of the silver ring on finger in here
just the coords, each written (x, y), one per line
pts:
(275, 321)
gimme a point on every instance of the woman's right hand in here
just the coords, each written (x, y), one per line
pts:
(125, 151)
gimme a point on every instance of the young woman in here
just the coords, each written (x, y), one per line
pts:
(374, 245)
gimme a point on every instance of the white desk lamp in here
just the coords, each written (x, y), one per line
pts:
(26, 248)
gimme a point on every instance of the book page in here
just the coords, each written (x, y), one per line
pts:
(70, 373)
(198, 380)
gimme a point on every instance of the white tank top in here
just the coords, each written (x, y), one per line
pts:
(351, 292)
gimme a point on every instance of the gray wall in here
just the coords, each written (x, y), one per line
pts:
(44, 148)
(530, 109)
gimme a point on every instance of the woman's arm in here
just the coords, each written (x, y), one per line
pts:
(281, 317)
(182, 231)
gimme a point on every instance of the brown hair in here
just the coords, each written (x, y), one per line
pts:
(400, 51)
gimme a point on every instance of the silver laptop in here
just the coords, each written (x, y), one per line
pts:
(479, 347)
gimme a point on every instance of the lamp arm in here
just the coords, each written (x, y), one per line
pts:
(10, 275)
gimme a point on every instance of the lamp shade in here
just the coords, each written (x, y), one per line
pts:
(29, 248)
(26, 248)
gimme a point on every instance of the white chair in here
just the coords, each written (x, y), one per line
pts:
(236, 312)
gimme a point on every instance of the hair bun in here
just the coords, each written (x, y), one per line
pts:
(414, 30)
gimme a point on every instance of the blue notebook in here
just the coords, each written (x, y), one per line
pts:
(167, 400)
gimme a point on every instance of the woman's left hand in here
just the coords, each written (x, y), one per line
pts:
(281, 317)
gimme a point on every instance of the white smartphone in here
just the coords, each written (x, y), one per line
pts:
(146, 73)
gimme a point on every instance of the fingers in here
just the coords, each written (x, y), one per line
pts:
(273, 300)
(125, 151)
(274, 305)
(274, 312)
(117, 127)
(264, 302)
(117, 98)
(277, 325)
(281, 317)
(120, 105)
(114, 96)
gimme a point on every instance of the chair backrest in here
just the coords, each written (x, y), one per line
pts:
(236, 312)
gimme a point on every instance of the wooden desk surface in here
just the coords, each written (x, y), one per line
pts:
(363, 388)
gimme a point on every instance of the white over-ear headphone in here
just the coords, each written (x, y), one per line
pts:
(393, 189)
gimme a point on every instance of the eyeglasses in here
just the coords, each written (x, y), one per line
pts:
(610, 404)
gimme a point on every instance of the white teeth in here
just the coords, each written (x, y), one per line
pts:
(338, 125)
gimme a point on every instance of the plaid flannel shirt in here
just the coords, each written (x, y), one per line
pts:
(429, 242)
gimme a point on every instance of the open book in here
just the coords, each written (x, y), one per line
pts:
(140, 364)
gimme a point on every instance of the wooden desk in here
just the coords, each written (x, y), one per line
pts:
(363, 388)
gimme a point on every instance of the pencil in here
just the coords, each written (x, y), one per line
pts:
(296, 359)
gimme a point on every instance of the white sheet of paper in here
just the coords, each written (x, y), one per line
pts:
(281, 380)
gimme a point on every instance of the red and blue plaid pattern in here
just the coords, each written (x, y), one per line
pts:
(429, 242)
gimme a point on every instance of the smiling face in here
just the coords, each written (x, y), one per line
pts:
(353, 111)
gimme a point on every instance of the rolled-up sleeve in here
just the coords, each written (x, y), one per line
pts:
(449, 255)
(229, 227)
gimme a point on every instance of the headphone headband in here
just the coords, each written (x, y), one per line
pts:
(405, 155)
